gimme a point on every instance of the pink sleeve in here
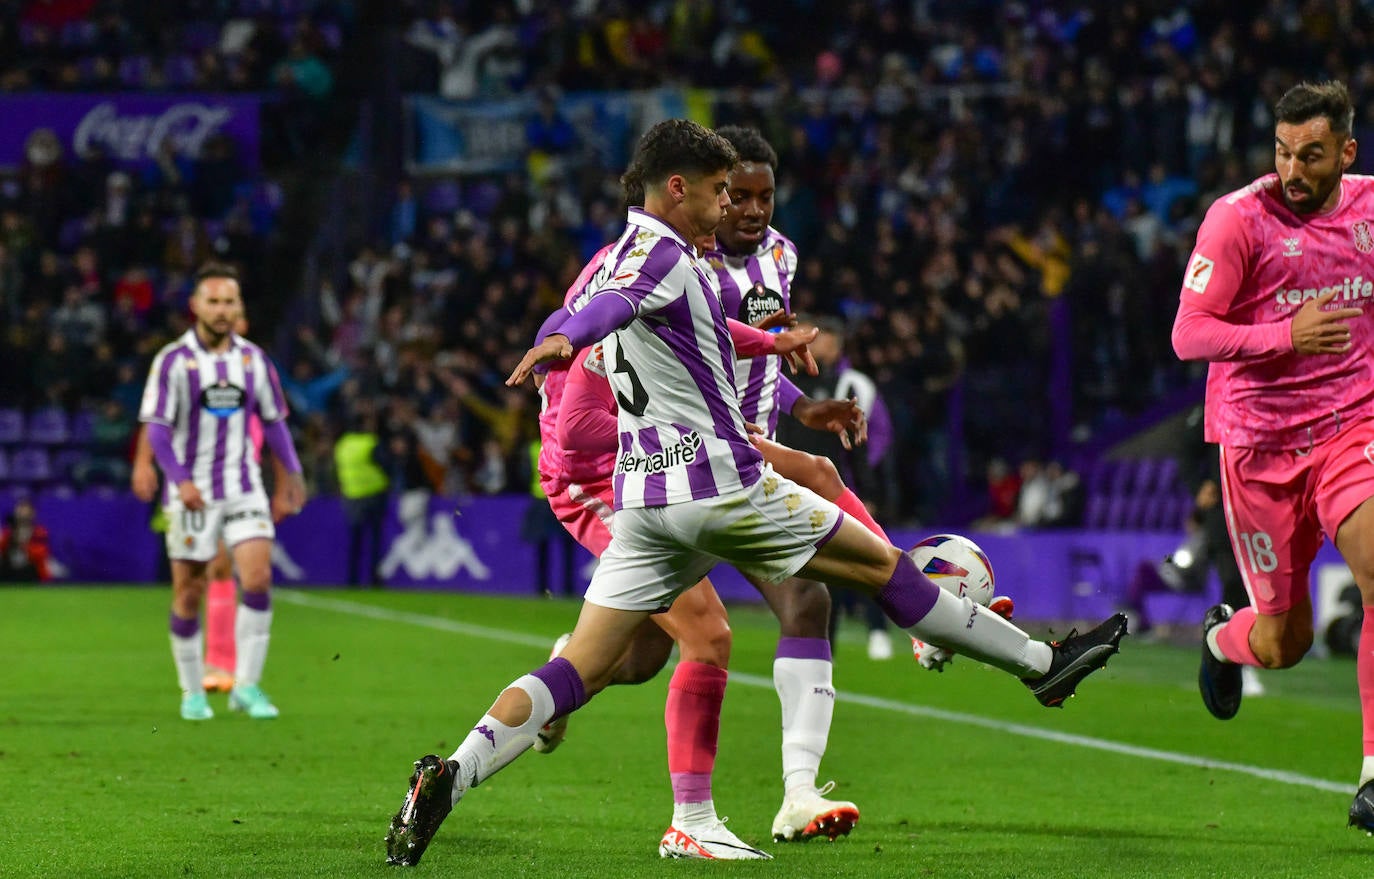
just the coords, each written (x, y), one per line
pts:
(255, 435)
(750, 341)
(586, 274)
(1215, 275)
(587, 416)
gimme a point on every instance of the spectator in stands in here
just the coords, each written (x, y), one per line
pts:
(23, 546)
(363, 484)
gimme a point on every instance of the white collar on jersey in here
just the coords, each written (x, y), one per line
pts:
(645, 220)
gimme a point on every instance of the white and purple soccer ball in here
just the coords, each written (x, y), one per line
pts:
(957, 565)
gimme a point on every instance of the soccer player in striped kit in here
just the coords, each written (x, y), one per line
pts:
(692, 490)
(200, 392)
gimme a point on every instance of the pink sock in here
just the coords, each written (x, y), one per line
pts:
(850, 503)
(1364, 673)
(221, 606)
(692, 717)
(1233, 637)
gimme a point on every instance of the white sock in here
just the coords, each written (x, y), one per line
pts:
(252, 631)
(1367, 769)
(492, 744)
(1213, 646)
(963, 625)
(188, 654)
(694, 814)
(808, 703)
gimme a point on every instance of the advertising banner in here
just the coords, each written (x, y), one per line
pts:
(131, 127)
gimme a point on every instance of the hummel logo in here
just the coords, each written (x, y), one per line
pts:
(1292, 247)
(484, 730)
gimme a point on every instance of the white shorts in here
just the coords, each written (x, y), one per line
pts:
(770, 531)
(195, 535)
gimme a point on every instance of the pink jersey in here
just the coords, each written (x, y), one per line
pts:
(1256, 262)
(556, 468)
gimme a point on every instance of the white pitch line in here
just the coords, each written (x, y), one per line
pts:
(293, 596)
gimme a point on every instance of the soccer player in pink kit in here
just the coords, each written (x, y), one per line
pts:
(691, 490)
(1276, 296)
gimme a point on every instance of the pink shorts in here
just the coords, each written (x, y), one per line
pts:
(1279, 504)
(586, 511)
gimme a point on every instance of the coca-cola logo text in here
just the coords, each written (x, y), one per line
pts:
(138, 136)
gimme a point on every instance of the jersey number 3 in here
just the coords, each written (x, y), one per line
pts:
(639, 398)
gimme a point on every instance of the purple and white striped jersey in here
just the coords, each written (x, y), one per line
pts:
(751, 288)
(682, 436)
(206, 399)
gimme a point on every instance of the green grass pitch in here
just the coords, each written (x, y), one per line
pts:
(960, 774)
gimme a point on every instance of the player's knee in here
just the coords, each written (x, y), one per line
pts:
(709, 642)
(826, 477)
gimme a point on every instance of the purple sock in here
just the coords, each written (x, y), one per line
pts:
(803, 648)
(565, 686)
(909, 595)
(257, 600)
(182, 627)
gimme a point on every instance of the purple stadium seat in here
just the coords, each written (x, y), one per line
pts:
(134, 70)
(1095, 511)
(83, 428)
(31, 465)
(1146, 475)
(48, 426)
(77, 34)
(1115, 517)
(4, 468)
(71, 233)
(1123, 478)
(483, 196)
(1166, 480)
(444, 197)
(197, 36)
(11, 426)
(66, 461)
(179, 70)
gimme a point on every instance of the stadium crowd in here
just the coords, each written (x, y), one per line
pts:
(995, 197)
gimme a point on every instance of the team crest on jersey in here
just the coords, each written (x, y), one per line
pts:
(1199, 273)
(758, 303)
(1292, 247)
(1364, 240)
(222, 399)
(778, 254)
(191, 362)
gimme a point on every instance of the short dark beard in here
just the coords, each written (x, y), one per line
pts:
(1315, 204)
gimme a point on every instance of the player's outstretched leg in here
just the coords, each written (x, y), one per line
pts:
(1076, 657)
(428, 801)
(1219, 682)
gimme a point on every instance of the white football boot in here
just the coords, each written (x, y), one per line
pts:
(710, 841)
(551, 734)
(806, 814)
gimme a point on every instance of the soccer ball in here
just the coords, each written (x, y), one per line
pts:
(957, 565)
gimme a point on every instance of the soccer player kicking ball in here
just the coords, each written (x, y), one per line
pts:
(1277, 295)
(691, 490)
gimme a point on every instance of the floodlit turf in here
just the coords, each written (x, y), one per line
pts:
(99, 777)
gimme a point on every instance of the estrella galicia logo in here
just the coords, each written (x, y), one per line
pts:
(222, 399)
(758, 303)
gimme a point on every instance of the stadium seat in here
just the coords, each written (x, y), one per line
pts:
(1095, 512)
(4, 467)
(1146, 476)
(31, 466)
(1166, 480)
(48, 426)
(66, 461)
(444, 197)
(83, 428)
(11, 426)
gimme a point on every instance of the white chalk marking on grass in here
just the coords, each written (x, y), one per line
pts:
(293, 596)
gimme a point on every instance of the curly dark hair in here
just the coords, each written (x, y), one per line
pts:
(750, 144)
(1308, 100)
(678, 146)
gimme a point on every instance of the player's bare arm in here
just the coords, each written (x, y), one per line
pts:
(143, 481)
(843, 418)
(555, 347)
(1319, 331)
(791, 345)
(190, 495)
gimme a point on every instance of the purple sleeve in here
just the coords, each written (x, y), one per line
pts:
(788, 394)
(551, 325)
(278, 439)
(605, 314)
(879, 432)
(160, 441)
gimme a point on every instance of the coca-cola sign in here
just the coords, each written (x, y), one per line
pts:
(130, 128)
(135, 136)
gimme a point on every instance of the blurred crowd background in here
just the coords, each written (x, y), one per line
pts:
(995, 199)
